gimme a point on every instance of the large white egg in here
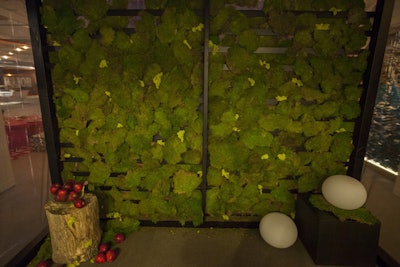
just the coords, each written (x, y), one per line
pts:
(344, 192)
(278, 230)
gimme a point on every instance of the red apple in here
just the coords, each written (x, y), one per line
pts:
(62, 195)
(100, 258)
(43, 263)
(78, 186)
(54, 188)
(111, 255)
(119, 237)
(79, 203)
(104, 247)
(72, 196)
(69, 185)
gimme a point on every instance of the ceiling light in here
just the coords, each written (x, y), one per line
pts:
(25, 47)
(5, 57)
(18, 49)
(10, 53)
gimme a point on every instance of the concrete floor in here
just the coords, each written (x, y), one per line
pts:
(384, 202)
(22, 215)
(211, 247)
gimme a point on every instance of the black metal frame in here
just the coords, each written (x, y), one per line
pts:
(43, 77)
(380, 29)
(381, 18)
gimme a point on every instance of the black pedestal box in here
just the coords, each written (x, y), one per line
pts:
(330, 241)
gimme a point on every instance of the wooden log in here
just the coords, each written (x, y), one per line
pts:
(75, 233)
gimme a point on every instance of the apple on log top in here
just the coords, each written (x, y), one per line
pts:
(70, 191)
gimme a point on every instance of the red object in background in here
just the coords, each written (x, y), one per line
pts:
(17, 132)
(35, 125)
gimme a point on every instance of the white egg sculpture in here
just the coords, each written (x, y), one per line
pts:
(278, 230)
(344, 192)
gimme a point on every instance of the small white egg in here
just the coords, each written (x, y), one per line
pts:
(278, 230)
(344, 192)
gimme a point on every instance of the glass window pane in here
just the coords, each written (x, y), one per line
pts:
(384, 138)
(24, 174)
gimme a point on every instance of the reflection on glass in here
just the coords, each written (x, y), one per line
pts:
(384, 138)
(24, 176)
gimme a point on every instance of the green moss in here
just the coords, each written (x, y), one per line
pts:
(59, 19)
(256, 137)
(132, 102)
(249, 40)
(361, 215)
(282, 22)
(188, 208)
(44, 253)
(227, 155)
(91, 9)
(185, 182)
(220, 21)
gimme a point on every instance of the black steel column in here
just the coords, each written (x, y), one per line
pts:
(380, 30)
(206, 11)
(43, 77)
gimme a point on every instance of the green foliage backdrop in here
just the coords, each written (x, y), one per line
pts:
(283, 91)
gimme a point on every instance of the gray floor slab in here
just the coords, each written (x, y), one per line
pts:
(211, 247)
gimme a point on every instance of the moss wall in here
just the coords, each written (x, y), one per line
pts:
(282, 92)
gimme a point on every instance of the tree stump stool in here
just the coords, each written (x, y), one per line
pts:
(75, 233)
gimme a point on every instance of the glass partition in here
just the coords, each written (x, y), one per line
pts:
(24, 175)
(384, 139)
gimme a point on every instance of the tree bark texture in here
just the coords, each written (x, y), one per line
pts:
(75, 233)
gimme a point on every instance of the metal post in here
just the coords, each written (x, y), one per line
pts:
(377, 47)
(205, 107)
(43, 77)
